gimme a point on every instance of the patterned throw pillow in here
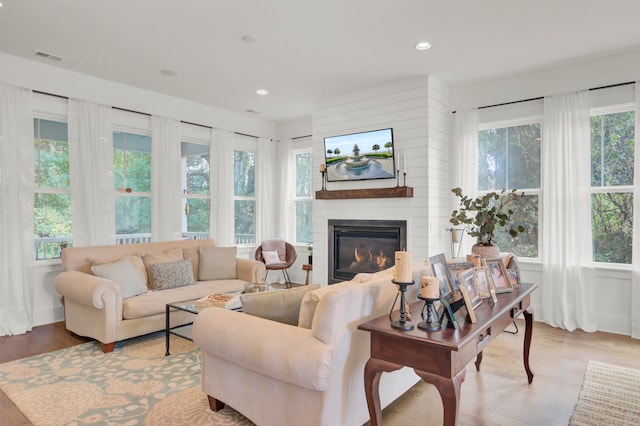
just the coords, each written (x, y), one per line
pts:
(282, 306)
(171, 274)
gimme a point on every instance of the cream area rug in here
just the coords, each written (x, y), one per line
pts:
(134, 385)
(610, 395)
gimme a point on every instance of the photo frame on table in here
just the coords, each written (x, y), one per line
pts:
(484, 282)
(442, 272)
(470, 293)
(499, 275)
(514, 277)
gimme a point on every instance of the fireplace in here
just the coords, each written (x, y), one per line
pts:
(363, 246)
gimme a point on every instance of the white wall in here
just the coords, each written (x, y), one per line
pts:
(611, 284)
(41, 77)
(416, 109)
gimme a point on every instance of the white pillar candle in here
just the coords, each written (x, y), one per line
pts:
(430, 287)
(403, 267)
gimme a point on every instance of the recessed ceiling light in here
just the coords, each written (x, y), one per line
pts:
(423, 45)
(252, 111)
(262, 92)
(169, 73)
(249, 38)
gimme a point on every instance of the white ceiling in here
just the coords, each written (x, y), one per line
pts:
(308, 50)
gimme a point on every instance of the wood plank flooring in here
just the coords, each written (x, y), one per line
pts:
(497, 395)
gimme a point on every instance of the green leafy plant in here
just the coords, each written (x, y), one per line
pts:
(486, 213)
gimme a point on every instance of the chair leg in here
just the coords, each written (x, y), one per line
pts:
(287, 280)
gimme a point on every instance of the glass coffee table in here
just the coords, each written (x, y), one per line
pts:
(184, 330)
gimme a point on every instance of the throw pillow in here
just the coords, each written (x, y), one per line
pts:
(217, 263)
(124, 274)
(171, 274)
(192, 253)
(171, 255)
(282, 306)
(271, 258)
(135, 259)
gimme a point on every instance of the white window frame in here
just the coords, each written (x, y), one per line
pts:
(246, 144)
(186, 196)
(512, 122)
(295, 198)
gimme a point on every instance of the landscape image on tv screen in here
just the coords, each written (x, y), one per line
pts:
(359, 156)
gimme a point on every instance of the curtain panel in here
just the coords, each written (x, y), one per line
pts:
(566, 214)
(266, 195)
(166, 199)
(287, 220)
(91, 173)
(17, 251)
(225, 205)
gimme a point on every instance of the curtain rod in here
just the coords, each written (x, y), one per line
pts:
(301, 137)
(542, 97)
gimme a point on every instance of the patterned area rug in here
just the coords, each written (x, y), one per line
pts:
(610, 395)
(134, 385)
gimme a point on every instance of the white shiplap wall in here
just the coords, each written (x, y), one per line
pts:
(417, 110)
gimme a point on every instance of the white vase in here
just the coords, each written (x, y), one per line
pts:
(485, 251)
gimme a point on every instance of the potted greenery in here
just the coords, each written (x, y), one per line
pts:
(485, 214)
(310, 250)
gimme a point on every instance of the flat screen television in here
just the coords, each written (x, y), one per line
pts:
(360, 156)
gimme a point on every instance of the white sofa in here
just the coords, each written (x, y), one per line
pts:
(313, 374)
(95, 307)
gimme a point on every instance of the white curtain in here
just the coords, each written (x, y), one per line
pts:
(464, 155)
(91, 173)
(287, 184)
(166, 199)
(566, 239)
(225, 204)
(635, 261)
(266, 190)
(16, 210)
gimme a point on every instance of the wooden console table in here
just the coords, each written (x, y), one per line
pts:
(440, 357)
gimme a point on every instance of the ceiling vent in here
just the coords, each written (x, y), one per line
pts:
(45, 55)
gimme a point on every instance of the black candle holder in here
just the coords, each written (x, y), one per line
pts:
(431, 322)
(402, 323)
(324, 182)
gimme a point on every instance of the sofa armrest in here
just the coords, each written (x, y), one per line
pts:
(283, 352)
(250, 270)
(87, 289)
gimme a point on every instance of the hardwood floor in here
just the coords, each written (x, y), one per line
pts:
(497, 395)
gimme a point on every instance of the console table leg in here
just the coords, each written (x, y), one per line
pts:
(373, 369)
(528, 319)
(478, 361)
(449, 392)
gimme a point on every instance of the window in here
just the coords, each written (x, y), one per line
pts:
(509, 158)
(303, 199)
(612, 158)
(132, 179)
(52, 196)
(244, 195)
(195, 189)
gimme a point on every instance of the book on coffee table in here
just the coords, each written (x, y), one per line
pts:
(221, 300)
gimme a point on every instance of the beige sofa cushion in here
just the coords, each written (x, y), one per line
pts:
(217, 263)
(282, 306)
(154, 302)
(149, 258)
(192, 253)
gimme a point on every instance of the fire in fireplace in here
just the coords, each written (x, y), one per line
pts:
(363, 246)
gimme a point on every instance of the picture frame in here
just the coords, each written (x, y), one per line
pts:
(514, 277)
(455, 268)
(470, 293)
(484, 282)
(442, 272)
(499, 275)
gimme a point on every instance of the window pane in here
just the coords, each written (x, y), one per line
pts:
(509, 158)
(51, 151)
(197, 220)
(304, 227)
(132, 162)
(526, 243)
(244, 174)
(133, 215)
(195, 164)
(612, 223)
(612, 147)
(303, 175)
(52, 224)
(245, 215)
